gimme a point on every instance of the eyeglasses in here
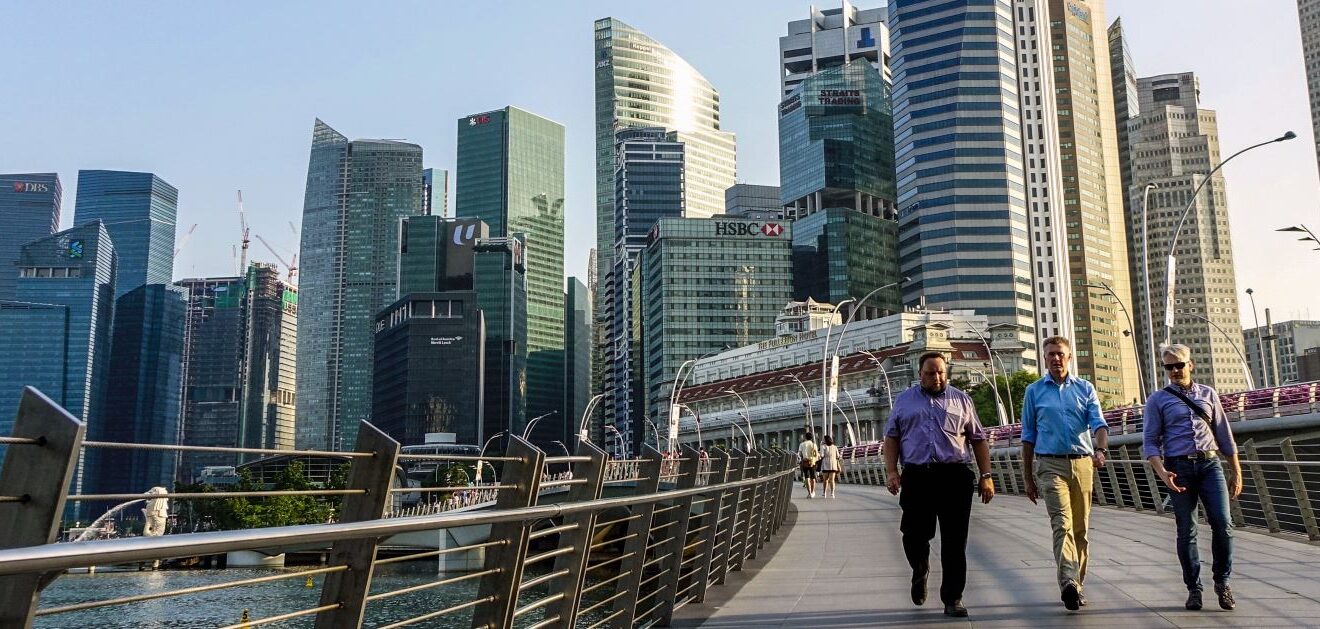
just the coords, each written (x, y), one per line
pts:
(1173, 366)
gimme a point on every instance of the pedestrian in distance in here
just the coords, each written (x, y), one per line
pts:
(1187, 441)
(830, 465)
(1060, 413)
(933, 431)
(808, 454)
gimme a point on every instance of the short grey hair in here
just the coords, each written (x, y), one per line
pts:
(1177, 350)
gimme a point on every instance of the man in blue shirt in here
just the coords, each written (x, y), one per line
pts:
(1059, 414)
(1184, 444)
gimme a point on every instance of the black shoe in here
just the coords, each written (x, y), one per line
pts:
(955, 609)
(919, 590)
(1193, 600)
(1225, 595)
(1071, 597)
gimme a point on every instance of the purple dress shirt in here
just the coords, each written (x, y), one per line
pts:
(1173, 429)
(934, 429)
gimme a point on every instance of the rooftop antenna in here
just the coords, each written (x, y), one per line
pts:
(246, 234)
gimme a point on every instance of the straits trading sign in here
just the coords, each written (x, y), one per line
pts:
(29, 186)
(841, 98)
(748, 228)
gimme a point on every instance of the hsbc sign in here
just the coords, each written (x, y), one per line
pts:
(28, 186)
(747, 228)
(476, 120)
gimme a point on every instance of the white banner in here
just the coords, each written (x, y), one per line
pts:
(834, 380)
(673, 423)
(1168, 296)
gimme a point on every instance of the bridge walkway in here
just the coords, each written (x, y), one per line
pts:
(841, 565)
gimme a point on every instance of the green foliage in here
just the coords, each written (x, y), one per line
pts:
(984, 396)
(246, 513)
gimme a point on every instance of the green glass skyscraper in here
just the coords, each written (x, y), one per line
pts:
(510, 175)
(356, 194)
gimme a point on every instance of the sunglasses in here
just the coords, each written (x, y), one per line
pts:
(1173, 366)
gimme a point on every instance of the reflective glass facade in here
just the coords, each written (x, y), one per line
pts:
(139, 211)
(510, 175)
(356, 194)
(29, 209)
(502, 295)
(577, 361)
(840, 254)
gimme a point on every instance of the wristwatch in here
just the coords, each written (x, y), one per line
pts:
(985, 475)
(1104, 451)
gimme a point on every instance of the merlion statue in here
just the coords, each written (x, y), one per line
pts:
(156, 512)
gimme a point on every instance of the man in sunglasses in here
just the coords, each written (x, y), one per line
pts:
(1186, 439)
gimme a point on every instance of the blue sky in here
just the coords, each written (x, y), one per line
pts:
(215, 96)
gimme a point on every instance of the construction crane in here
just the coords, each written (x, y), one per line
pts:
(183, 241)
(245, 235)
(291, 266)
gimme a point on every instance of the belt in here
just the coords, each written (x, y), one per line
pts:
(932, 466)
(1203, 455)
(1063, 456)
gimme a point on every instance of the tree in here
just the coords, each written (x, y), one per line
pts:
(984, 396)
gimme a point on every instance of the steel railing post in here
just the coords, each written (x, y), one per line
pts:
(1262, 488)
(1115, 487)
(756, 521)
(1131, 479)
(741, 514)
(499, 591)
(579, 538)
(729, 514)
(639, 531)
(680, 515)
(1154, 483)
(40, 474)
(375, 475)
(1299, 487)
(719, 472)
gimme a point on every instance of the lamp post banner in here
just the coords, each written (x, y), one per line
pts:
(673, 423)
(834, 379)
(1168, 296)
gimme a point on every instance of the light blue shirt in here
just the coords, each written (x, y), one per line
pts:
(1059, 418)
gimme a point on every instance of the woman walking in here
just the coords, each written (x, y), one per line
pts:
(830, 465)
(808, 455)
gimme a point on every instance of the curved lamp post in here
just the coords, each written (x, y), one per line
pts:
(884, 374)
(1260, 341)
(696, 417)
(1173, 242)
(656, 431)
(586, 414)
(1145, 280)
(1310, 235)
(483, 453)
(999, 402)
(807, 393)
(825, 358)
(527, 430)
(1250, 383)
(1008, 383)
(1141, 385)
(747, 414)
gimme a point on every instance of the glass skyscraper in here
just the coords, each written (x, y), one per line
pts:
(510, 175)
(29, 209)
(577, 361)
(356, 194)
(139, 210)
(963, 225)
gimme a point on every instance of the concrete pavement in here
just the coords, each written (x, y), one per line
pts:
(841, 564)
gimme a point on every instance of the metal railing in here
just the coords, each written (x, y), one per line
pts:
(679, 526)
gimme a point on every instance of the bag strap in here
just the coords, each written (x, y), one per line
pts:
(1196, 408)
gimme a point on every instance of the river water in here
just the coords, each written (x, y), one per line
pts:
(224, 607)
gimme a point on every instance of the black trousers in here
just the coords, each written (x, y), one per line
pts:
(943, 494)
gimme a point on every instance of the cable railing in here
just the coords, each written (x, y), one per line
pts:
(558, 553)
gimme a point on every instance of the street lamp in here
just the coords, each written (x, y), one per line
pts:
(1173, 242)
(655, 430)
(527, 430)
(1250, 383)
(586, 413)
(483, 453)
(747, 414)
(999, 402)
(810, 421)
(679, 381)
(621, 447)
(856, 422)
(824, 370)
(696, 417)
(852, 434)
(1310, 235)
(1145, 280)
(1008, 383)
(884, 374)
(1260, 342)
(1141, 385)
(748, 440)
(852, 312)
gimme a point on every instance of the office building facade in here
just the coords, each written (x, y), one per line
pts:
(1283, 346)
(356, 194)
(757, 202)
(510, 175)
(29, 210)
(139, 210)
(1308, 16)
(577, 359)
(963, 214)
(833, 37)
(435, 192)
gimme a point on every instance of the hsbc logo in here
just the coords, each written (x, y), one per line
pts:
(476, 120)
(25, 186)
(729, 228)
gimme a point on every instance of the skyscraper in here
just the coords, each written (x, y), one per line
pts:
(510, 175)
(836, 165)
(641, 83)
(1308, 15)
(753, 201)
(356, 193)
(577, 357)
(139, 210)
(435, 192)
(833, 37)
(1173, 142)
(29, 209)
(963, 222)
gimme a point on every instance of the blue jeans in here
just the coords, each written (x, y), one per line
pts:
(1203, 480)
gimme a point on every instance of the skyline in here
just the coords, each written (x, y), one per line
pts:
(202, 120)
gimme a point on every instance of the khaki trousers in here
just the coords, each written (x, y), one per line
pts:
(1066, 485)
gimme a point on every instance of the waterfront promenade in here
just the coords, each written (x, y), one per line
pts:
(841, 564)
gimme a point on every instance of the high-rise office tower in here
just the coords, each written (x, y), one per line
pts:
(143, 391)
(1282, 344)
(239, 365)
(648, 186)
(435, 192)
(833, 37)
(577, 357)
(1075, 190)
(29, 209)
(56, 335)
(139, 210)
(1173, 143)
(1308, 15)
(510, 175)
(356, 193)
(500, 268)
(836, 172)
(641, 83)
(963, 222)
(708, 284)
(746, 200)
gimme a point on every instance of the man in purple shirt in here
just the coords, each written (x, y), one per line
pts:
(1186, 436)
(928, 429)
